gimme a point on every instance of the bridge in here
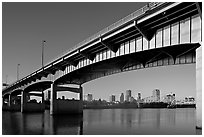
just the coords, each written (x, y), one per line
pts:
(159, 34)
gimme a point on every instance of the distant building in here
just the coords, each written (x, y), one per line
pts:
(121, 98)
(156, 95)
(139, 98)
(148, 99)
(189, 100)
(169, 98)
(89, 97)
(128, 95)
(132, 99)
(112, 98)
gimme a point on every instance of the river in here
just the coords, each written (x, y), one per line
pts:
(104, 122)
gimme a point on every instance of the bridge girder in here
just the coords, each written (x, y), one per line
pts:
(148, 35)
(74, 63)
(199, 8)
(107, 45)
(88, 56)
(36, 94)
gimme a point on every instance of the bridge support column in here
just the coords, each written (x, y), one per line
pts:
(9, 101)
(43, 101)
(199, 88)
(81, 100)
(23, 101)
(53, 104)
(65, 106)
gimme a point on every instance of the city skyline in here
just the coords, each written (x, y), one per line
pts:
(136, 96)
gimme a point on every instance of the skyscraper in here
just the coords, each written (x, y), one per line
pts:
(121, 98)
(156, 95)
(128, 95)
(112, 98)
(139, 97)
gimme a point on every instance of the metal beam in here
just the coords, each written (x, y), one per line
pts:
(110, 47)
(199, 8)
(86, 55)
(36, 94)
(61, 88)
(74, 63)
(147, 34)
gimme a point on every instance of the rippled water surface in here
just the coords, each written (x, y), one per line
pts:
(104, 121)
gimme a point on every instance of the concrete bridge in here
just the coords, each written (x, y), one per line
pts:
(158, 34)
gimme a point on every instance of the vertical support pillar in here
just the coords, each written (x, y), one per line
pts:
(81, 93)
(23, 101)
(9, 101)
(199, 87)
(81, 99)
(53, 103)
(43, 101)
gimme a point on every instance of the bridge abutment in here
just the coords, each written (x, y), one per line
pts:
(65, 106)
(199, 87)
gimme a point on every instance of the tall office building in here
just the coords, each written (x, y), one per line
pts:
(121, 98)
(156, 95)
(139, 96)
(112, 98)
(89, 97)
(128, 95)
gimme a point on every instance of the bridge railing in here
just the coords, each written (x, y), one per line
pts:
(108, 29)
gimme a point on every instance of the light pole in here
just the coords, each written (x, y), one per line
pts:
(43, 44)
(18, 72)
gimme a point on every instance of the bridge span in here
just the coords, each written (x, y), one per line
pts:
(158, 34)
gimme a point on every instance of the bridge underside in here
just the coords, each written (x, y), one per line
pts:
(39, 86)
(171, 55)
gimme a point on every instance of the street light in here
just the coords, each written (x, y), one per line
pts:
(43, 44)
(18, 72)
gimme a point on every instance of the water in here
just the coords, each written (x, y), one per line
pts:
(104, 121)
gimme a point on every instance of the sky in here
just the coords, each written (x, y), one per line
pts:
(63, 25)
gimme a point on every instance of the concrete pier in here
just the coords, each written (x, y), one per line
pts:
(31, 106)
(199, 88)
(58, 106)
(5, 106)
(15, 105)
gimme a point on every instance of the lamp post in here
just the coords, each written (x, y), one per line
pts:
(43, 44)
(18, 72)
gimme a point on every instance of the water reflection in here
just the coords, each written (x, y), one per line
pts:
(41, 123)
(63, 125)
(102, 121)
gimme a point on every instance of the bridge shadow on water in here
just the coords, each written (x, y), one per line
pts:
(16, 123)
